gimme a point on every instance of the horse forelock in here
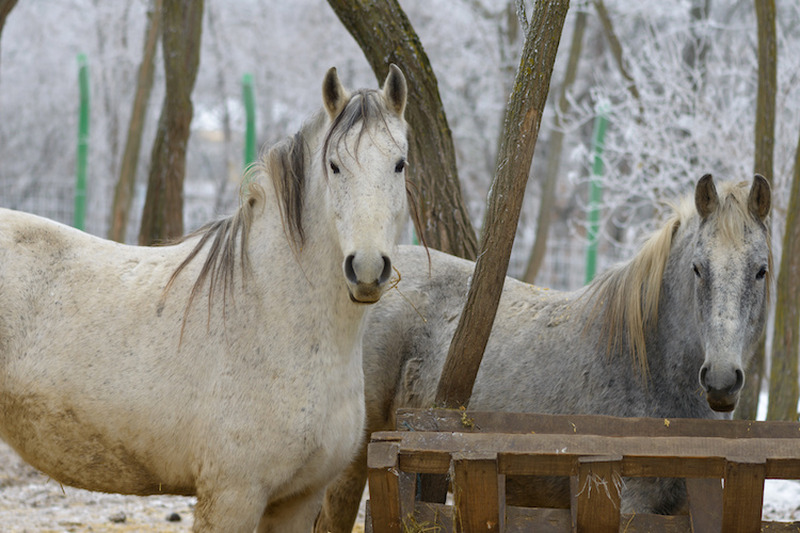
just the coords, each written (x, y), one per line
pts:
(364, 107)
(733, 216)
(286, 162)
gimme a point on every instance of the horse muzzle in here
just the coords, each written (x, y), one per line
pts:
(722, 387)
(367, 276)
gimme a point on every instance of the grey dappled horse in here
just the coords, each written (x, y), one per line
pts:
(228, 365)
(667, 334)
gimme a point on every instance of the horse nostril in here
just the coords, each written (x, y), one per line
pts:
(386, 274)
(349, 271)
(703, 372)
(739, 381)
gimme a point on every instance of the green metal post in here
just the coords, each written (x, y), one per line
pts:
(79, 215)
(595, 191)
(250, 113)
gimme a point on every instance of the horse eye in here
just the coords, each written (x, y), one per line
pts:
(400, 166)
(696, 270)
(334, 168)
(762, 273)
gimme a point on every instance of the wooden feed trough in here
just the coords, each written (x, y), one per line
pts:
(725, 464)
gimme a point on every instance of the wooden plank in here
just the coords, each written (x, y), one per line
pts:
(384, 486)
(421, 451)
(503, 422)
(438, 518)
(595, 494)
(705, 504)
(780, 527)
(743, 495)
(425, 461)
(478, 492)
(526, 519)
(368, 518)
(431, 517)
(407, 483)
(542, 464)
(650, 523)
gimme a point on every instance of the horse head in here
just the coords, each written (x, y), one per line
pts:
(364, 158)
(730, 269)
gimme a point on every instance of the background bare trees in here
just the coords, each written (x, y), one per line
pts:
(694, 65)
(162, 217)
(124, 189)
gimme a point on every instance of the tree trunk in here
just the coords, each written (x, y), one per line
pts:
(765, 142)
(521, 129)
(783, 384)
(547, 197)
(123, 192)
(162, 217)
(385, 35)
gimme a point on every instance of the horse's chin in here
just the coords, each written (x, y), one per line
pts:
(364, 299)
(724, 404)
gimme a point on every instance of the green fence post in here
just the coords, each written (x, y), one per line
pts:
(250, 114)
(595, 190)
(79, 215)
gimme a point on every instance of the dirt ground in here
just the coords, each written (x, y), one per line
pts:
(31, 502)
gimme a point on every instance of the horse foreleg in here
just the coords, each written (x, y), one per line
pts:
(343, 496)
(234, 510)
(294, 514)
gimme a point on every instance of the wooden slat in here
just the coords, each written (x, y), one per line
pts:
(368, 517)
(478, 493)
(743, 495)
(384, 486)
(433, 517)
(743, 453)
(595, 494)
(502, 422)
(526, 519)
(705, 504)
(439, 518)
(428, 452)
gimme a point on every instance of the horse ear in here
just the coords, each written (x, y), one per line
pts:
(334, 95)
(395, 90)
(758, 203)
(705, 196)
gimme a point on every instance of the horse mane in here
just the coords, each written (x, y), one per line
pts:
(224, 235)
(628, 295)
(286, 165)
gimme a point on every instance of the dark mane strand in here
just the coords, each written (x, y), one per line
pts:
(219, 265)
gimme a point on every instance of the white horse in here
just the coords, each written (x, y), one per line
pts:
(227, 366)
